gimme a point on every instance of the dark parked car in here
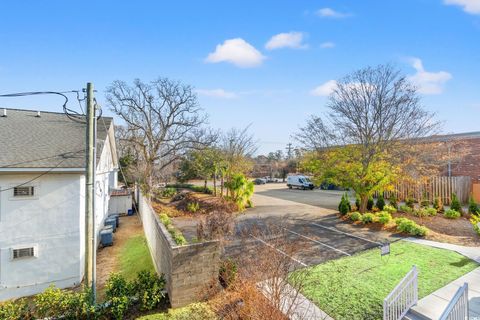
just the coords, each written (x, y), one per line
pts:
(259, 181)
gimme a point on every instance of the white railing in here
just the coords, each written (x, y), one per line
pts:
(402, 298)
(457, 309)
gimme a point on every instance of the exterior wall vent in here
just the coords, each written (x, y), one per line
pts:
(4, 113)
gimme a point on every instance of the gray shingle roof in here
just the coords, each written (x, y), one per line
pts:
(49, 141)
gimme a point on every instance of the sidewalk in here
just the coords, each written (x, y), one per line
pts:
(433, 305)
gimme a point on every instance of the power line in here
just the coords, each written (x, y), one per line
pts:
(64, 154)
(35, 178)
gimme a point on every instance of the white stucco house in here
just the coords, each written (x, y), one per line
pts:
(42, 198)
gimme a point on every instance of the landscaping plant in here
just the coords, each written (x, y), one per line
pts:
(370, 203)
(228, 272)
(393, 201)
(473, 207)
(380, 202)
(410, 227)
(193, 207)
(455, 204)
(390, 209)
(384, 217)
(410, 202)
(15, 310)
(368, 218)
(241, 190)
(452, 214)
(118, 292)
(344, 205)
(406, 209)
(355, 216)
(438, 204)
(149, 289)
(177, 236)
(475, 221)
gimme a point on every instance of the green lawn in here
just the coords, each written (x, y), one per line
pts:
(135, 257)
(354, 287)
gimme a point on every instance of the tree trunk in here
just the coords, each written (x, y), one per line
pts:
(221, 186)
(205, 186)
(363, 202)
(215, 184)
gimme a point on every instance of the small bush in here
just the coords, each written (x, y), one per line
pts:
(355, 216)
(425, 212)
(194, 311)
(380, 202)
(56, 303)
(228, 272)
(165, 219)
(425, 203)
(438, 204)
(368, 218)
(390, 209)
(410, 202)
(410, 227)
(475, 221)
(215, 225)
(168, 192)
(118, 292)
(393, 201)
(149, 289)
(344, 205)
(473, 207)
(370, 203)
(406, 209)
(15, 310)
(455, 204)
(193, 207)
(384, 217)
(452, 214)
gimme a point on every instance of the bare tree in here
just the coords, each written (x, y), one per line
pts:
(163, 120)
(376, 114)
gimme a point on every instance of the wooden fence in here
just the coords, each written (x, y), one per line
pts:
(442, 187)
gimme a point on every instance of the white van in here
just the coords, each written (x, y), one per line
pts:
(300, 182)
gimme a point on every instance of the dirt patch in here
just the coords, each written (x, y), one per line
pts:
(208, 203)
(108, 258)
(457, 231)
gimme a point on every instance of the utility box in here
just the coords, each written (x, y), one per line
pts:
(111, 221)
(106, 237)
(115, 216)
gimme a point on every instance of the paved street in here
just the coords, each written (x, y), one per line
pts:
(306, 218)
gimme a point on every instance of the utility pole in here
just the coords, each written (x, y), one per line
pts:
(289, 151)
(90, 241)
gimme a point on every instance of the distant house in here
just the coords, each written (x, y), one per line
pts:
(42, 198)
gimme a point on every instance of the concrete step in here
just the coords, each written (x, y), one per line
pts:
(412, 315)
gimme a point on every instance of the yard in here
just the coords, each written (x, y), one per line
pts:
(128, 255)
(354, 287)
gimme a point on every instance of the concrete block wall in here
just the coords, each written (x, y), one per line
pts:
(188, 268)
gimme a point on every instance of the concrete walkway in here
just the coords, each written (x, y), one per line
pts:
(433, 305)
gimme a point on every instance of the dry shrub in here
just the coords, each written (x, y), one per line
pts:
(264, 287)
(216, 225)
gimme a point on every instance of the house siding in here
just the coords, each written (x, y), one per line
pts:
(48, 221)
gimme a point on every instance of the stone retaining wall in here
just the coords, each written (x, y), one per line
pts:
(187, 268)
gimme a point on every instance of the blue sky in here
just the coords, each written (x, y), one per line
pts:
(265, 63)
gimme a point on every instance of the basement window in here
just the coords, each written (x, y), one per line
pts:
(24, 191)
(20, 253)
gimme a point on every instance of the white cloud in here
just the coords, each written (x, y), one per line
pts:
(330, 13)
(469, 6)
(238, 52)
(217, 93)
(428, 82)
(324, 89)
(327, 45)
(286, 40)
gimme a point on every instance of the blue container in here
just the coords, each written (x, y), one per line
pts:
(111, 222)
(106, 237)
(130, 212)
(117, 218)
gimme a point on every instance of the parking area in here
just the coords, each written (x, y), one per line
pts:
(303, 218)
